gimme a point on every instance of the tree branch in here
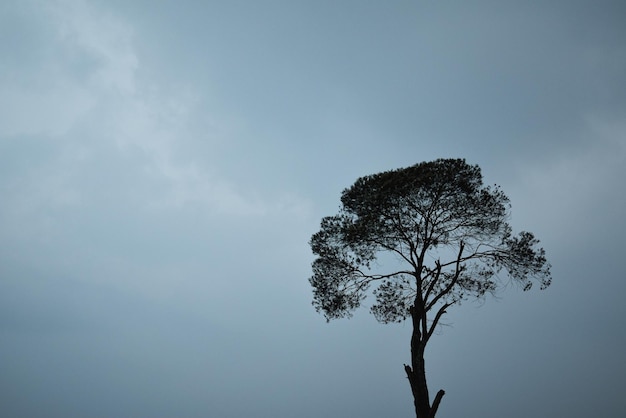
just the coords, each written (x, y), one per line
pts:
(493, 253)
(436, 403)
(435, 279)
(438, 316)
(371, 277)
(457, 272)
(393, 249)
(407, 240)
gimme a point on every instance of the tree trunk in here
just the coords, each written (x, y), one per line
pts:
(416, 373)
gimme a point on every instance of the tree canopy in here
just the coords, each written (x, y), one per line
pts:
(430, 209)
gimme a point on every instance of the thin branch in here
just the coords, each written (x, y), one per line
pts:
(438, 316)
(411, 260)
(457, 272)
(372, 277)
(435, 279)
(392, 249)
(475, 255)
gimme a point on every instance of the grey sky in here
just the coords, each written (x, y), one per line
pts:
(163, 165)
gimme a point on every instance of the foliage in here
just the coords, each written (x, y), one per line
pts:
(449, 231)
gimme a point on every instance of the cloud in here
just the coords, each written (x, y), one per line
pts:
(80, 55)
(85, 93)
(110, 177)
(90, 35)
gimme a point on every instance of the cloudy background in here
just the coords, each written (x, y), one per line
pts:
(163, 165)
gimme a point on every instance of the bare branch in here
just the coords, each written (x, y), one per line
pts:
(438, 316)
(434, 280)
(457, 272)
(436, 403)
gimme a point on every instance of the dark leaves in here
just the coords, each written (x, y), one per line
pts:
(393, 300)
(523, 260)
(420, 214)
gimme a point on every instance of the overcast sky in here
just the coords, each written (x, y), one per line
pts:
(163, 165)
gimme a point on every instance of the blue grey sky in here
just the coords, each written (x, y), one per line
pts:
(163, 165)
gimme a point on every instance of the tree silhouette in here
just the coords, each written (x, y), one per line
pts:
(450, 239)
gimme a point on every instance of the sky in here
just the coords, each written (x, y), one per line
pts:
(163, 165)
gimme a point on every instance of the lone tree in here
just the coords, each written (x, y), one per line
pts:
(451, 241)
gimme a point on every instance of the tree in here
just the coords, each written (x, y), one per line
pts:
(450, 240)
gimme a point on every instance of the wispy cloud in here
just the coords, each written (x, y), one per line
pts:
(86, 93)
